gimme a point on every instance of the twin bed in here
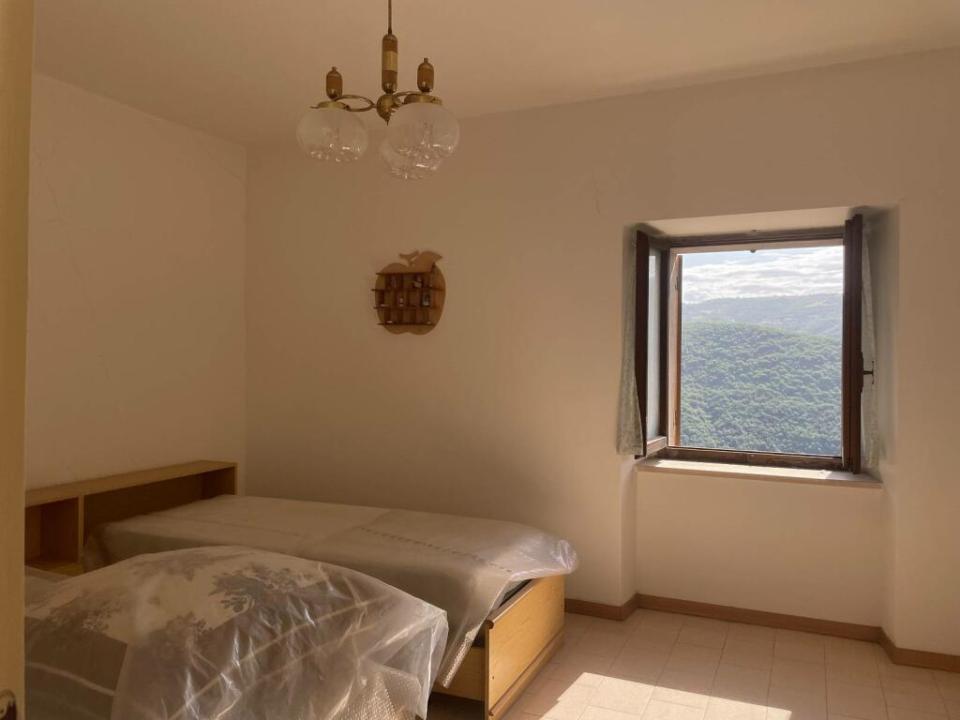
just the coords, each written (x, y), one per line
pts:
(499, 584)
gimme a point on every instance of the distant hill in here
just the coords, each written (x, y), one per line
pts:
(751, 387)
(809, 314)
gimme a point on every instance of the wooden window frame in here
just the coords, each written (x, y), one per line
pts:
(670, 275)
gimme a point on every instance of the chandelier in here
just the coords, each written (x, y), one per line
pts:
(421, 133)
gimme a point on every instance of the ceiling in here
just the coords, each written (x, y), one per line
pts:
(247, 69)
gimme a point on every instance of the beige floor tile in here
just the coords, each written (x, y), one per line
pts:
(662, 666)
(660, 710)
(557, 700)
(748, 685)
(859, 701)
(912, 695)
(911, 687)
(513, 714)
(613, 627)
(721, 709)
(578, 668)
(949, 684)
(574, 624)
(653, 635)
(903, 714)
(693, 658)
(684, 688)
(747, 653)
(790, 649)
(607, 644)
(702, 623)
(856, 670)
(907, 701)
(623, 695)
(599, 713)
(702, 636)
(661, 619)
(846, 649)
(752, 633)
(798, 675)
(633, 620)
(638, 666)
(794, 704)
(799, 636)
(903, 672)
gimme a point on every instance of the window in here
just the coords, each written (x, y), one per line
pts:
(748, 346)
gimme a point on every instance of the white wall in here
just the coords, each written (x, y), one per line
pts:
(809, 550)
(508, 408)
(135, 322)
(884, 249)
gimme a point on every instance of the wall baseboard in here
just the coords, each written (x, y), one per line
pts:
(870, 633)
(919, 658)
(761, 617)
(600, 610)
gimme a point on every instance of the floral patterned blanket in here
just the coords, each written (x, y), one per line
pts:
(230, 633)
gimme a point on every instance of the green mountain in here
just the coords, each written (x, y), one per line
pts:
(809, 314)
(753, 387)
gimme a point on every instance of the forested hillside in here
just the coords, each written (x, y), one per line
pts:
(754, 387)
(810, 314)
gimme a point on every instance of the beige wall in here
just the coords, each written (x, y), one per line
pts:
(884, 261)
(790, 548)
(508, 408)
(135, 327)
(16, 58)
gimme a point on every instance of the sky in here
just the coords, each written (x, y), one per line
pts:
(764, 273)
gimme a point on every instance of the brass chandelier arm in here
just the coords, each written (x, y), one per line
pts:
(339, 103)
(392, 99)
(411, 96)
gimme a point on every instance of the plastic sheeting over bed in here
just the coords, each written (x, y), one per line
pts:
(228, 633)
(462, 565)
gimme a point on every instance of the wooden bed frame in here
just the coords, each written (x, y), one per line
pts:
(516, 641)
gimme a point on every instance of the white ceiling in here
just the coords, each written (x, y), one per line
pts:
(246, 69)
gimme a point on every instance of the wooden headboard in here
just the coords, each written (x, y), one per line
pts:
(59, 519)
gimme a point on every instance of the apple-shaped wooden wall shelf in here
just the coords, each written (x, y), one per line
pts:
(408, 296)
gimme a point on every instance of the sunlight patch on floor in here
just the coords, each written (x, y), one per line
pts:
(661, 666)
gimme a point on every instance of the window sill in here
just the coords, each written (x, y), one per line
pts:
(756, 472)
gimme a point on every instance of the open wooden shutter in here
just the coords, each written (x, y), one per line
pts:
(852, 381)
(650, 341)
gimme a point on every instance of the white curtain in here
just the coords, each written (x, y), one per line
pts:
(629, 425)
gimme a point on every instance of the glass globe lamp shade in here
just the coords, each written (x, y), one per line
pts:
(424, 131)
(405, 167)
(332, 133)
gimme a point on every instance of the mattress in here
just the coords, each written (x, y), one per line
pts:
(465, 566)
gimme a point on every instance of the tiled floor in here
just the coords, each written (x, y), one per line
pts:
(659, 666)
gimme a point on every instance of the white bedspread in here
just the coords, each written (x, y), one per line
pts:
(463, 565)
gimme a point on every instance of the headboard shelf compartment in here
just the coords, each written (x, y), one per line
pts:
(59, 519)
